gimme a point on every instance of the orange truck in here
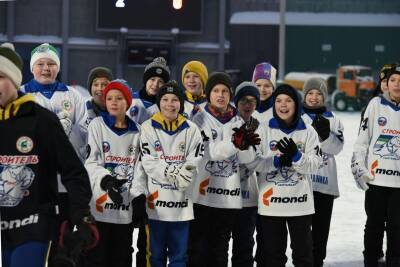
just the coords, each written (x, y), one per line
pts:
(352, 86)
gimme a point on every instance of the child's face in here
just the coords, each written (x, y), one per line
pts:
(8, 91)
(394, 87)
(220, 96)
(285, 107)
(169, 106)
(98, 86)
(153, 85)
(265, 87)
(246, 106)
(314, 98)
(193, 84)
(384, 85)
(45, 71)
(116, 103)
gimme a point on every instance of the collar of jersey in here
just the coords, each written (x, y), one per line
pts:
(110, 121)
(146, 103)
(195, 99)
(273, 123)
(158, 121)
(11, 109)
(265, 105)
(45, 89)
(386, 102)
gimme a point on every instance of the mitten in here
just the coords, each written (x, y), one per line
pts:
(112, 186)
(321, 126)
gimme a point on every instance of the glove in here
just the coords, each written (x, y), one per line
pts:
(288, 147)
(243, 138)
(181, 177)
(65, 121)
(322, 126)
(112, 186)
(139, 215)
(361, 175)
(285, 161)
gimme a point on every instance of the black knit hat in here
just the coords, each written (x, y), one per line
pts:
(171, 87)
(394, 70)
(292, 93)
(11, 63)
(386, 70)
(218, 78)
(98, 72)
(157, 68)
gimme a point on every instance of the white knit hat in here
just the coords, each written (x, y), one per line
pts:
(11, 63)
(45, 51)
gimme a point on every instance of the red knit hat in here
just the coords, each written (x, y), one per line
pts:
(122, 86)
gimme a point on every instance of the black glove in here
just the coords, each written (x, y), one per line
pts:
(112, 186)
(73, 243)
(139, 215)
(288, 147)
(285, 161)
(322, 126)
(243, 138)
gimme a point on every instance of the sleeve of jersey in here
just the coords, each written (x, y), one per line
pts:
(152, 164)
(81, 115)
(95, 159)
(334, 144)
(364, 135)
(311, 159)
(73, 174)
(195, 147)
(139, 183)
(224, 149)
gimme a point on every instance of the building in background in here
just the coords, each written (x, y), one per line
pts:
(232, 34)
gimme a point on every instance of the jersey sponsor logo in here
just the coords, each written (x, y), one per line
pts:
(150, 200)
(391, 131)
(100, 201)
(173, 158)
(382, 121)
(387, 147)
(106, 146)
(319, 179)
(133, 111)
(283, 177)
(115, 206)
(205, 189)
(17, 223)
(24, 144)
(268, 198)
(164, 185)
(120, 160)
(101, 204)
(18, 160)
(223, 168)
(267, 195)
(375, 170)
(14, 184)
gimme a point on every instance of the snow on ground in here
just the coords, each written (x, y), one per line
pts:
(345, 244)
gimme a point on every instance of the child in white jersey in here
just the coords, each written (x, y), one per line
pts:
(375, 166)
(325, 183)
(113, 149)
(171, 148)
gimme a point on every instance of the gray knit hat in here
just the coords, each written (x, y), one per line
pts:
(98, 72)
(157, 68)
(246, 89)
(316, 83)
(11, 63)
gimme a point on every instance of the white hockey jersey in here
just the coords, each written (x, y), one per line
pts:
(163, 144)
(140, 109)
(225, 149)
(61, 98)
(285, 191)
(378, 142)
(218, 181)
(112, 152)
(325, 178)
(191, 108)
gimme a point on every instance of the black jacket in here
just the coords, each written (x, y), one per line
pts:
(33, 149)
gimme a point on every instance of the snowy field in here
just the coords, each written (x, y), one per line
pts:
(345, 243)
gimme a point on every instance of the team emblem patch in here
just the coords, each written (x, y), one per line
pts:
(157, 146)
(133, 111)
(382, 121)
(131, 149)
(181, 147)
(158, 71)
(66, 105)
(272, 145)
(214, 134)
(106, 147)
(24, 144)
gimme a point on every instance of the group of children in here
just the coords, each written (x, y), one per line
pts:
(190, 167)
